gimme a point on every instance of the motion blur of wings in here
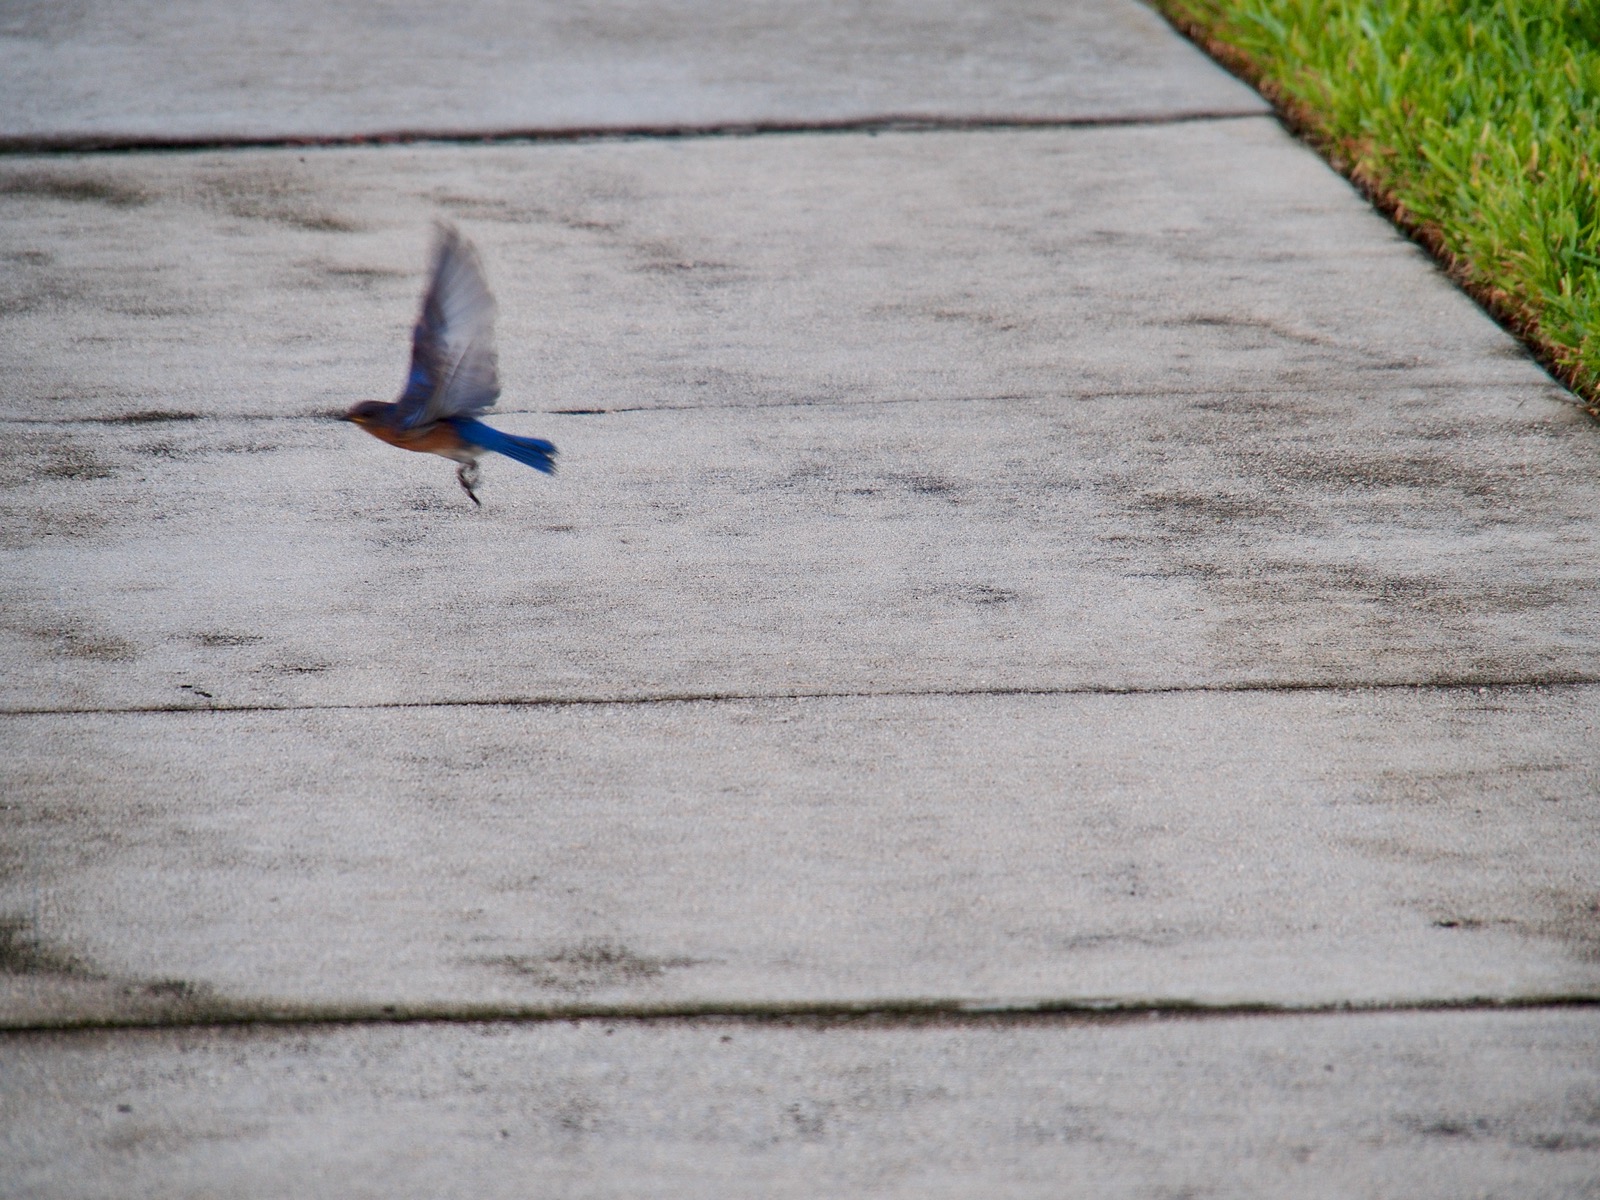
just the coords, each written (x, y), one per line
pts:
(454, 369)
(454, 374)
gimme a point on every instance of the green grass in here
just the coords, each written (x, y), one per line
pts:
(1474, 123)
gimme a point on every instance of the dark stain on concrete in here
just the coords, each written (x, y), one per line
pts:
(928, 485)
(37, 453)
(73, 641)
(1103, 941)
(1287, 585)
(299, 215)
(273, 194)
(149, 416)
(174, 989)
(27, 527)
(1580, 1135)
(72, 460)
(1253, 328)
(357, 276)
(589, 965)
(986, 595)
(1502, 783)
(1558, 1142)
(490, 208)
(178, 452)
(1074, 1124)
(578, 1115)
(1219, 507)
(1253, 411)
(431, 502)
(981, 319)
(35, 296)
(170, 451)
(225, 638)
(663, 258)
(808, 1119)
(72, 187)
(1464, 1129)
(1570, 916)
(1414, 468)
(23, 952)
(303, 667)
(256, 445)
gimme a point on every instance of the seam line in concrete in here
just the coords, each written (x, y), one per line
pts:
(1549, 391)
(114, 143)
(1437, 684)
(907, 1011)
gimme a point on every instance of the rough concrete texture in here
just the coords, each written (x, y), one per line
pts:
(1163, 261)
(1371, 847)
(1041, 418)
(957, 493)
(306, 68)
(1444, 1105)
(1070, 566)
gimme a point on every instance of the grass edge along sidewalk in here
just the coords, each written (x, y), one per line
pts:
(1473, 124)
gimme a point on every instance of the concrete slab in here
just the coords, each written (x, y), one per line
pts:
(1308, 848)
(301, 68)
(847, 471)
(1038, 530)
(1414, 1105)
(1211, 257)
(1120, 543)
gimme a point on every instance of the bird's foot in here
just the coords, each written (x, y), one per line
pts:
(467, 476)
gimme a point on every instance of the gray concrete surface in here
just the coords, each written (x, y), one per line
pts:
(1369, 847)
(300, 68)
(1073, 566)
(1159, 260)
(1445, 1105)
(1041, 395)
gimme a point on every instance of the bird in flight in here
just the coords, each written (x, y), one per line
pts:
(453, 374)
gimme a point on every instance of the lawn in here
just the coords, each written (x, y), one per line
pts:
(1474, 123)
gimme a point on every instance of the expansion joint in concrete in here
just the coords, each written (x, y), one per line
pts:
(1440, 684)
(874, 1012)
(113, 143)
(1549, 390)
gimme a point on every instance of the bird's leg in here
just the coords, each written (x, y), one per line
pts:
(467, 476)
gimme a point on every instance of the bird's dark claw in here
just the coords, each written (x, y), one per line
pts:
(467, 476)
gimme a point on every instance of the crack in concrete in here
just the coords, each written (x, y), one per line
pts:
(112, 143)
(1480, 684)
(908, 1011)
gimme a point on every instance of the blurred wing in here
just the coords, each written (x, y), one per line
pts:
(453, 366)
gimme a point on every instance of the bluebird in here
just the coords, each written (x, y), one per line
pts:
(453, 374)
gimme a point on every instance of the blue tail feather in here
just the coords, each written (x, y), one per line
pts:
(535, 452)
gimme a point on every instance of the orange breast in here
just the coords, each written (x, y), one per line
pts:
(433, 439)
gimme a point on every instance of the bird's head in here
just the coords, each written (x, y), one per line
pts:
(366, 413)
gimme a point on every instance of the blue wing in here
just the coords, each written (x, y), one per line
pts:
(453, 363)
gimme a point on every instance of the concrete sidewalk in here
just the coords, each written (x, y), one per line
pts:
(1035, 625)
